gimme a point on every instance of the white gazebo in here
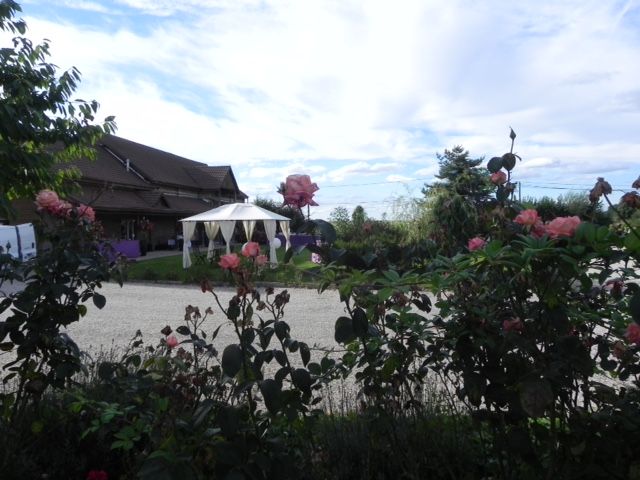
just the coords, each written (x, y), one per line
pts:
(224, 218)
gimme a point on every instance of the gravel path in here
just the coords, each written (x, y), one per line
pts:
(149, 307)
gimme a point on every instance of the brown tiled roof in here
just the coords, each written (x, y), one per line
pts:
(166, 168)
(105, 169)
(187, 204)
(114, 200)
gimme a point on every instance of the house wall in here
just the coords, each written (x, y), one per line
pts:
(165, 229)
(25, 211)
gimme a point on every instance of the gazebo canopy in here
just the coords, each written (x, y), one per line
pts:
(224, 218)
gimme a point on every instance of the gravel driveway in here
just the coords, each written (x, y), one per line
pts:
(149, 307)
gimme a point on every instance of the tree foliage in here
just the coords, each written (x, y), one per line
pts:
(40, 124)
(295, 214)
(456, 200)
(461, 175)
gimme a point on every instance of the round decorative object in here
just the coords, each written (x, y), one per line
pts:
(276, 242)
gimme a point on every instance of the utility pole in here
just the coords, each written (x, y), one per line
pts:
(519, 192)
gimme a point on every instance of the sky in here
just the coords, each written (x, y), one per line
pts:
(362, 95)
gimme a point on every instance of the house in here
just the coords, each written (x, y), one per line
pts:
(139, 192)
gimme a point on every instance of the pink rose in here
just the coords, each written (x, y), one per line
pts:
(513, 325)
(633, 333)
(261, 260)
(499, 178)
(538, 230)
(562, 226)
(298, 191)
(527, 218)
(476, 243)
(86, 212)
(251, 249)
(60, 209)
(230, 261)
(172, 341)
(47, 199)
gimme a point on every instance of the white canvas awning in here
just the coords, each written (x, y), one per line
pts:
(224, 218)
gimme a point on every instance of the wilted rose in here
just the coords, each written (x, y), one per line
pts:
(231, 261)
(205, 286)
(499, 178)
(631, 199)
(619, 349)
(166, 331)
(47, 199)
(476, 243)
(602, 187)
(527, 218)
(251, 249)
(562, 226)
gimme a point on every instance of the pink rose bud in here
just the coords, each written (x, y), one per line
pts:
(231, 261)
(633, 333)
(172, 341)
(261, 260)
(499, 178)
(476, 243)
(527, 218)
(251, 249)
(562, 226)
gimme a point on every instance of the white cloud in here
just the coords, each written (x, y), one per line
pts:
(307, 85)
(86, 5)
(399, 179)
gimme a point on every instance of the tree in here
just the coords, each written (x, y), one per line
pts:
(456, 202)
(339, 218)
(40, 126)
(461, 175)
(295, 214)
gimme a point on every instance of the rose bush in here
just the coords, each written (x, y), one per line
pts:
(537, 333)
(67, 272)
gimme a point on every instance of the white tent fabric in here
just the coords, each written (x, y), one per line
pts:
(286, 231)
(212, 230)
(270, 230)
(227, 227)
(226, 217)
(249, 225)
(187, 232)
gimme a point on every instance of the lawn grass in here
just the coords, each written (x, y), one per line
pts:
(299, 272)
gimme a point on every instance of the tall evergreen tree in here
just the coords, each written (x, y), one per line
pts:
(456, 201)
(461, 175)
